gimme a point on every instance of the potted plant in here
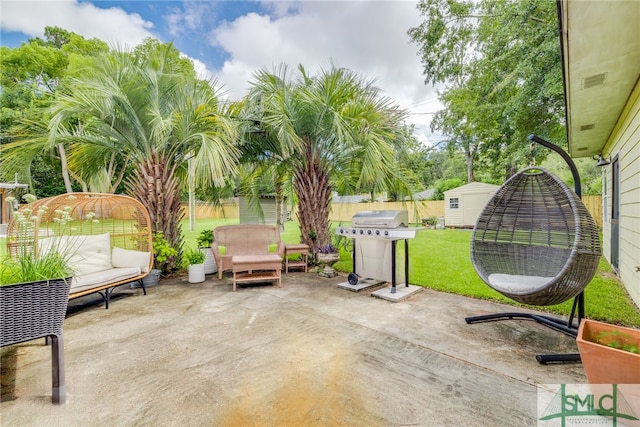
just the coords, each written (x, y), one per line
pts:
(610, 354)
(205, 240)
(194, 261)
(326, 256)
(34, 291)
(162, 251)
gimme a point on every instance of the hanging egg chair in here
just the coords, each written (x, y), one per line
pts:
(535, 241)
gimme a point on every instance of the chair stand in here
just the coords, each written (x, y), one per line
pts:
(567, 327)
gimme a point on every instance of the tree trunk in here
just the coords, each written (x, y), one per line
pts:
(311, 184)
(469, 162)
(155, 185)
(65, 169)
(280, 207)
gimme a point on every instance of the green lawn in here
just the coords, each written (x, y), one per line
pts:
(439, 259)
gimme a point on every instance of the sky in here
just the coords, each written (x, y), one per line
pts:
(230, 40)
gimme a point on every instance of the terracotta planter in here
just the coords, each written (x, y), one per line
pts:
(29, 311)
(603, 364)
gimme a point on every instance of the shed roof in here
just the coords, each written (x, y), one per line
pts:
(473, 187)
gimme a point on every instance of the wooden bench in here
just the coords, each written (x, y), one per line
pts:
(243, 240)
(256, 268)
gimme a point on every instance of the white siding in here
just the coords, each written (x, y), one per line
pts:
(453, 216)
(625, 143)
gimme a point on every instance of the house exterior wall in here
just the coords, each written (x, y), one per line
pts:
(624, 143)
(471, 200)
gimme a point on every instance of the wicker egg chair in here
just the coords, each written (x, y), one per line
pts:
(535, 241)
(124, 218)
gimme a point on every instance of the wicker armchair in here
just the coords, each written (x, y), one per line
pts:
(123, 221)
(535, 241)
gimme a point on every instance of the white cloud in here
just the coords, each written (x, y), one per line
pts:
(368, 37)
(113, 25)
(190, 16)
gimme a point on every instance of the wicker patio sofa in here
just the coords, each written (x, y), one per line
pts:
(252, 246)
(107, 238)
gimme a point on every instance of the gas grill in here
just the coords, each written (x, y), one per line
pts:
(387, 225)
(375, 235)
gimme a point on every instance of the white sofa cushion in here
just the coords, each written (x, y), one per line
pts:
(517, 284)
(130, 258)
(85, 253)
(93, 280)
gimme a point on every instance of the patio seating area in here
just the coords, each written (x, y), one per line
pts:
(307, 353)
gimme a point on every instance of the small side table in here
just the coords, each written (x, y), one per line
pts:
(298, 249)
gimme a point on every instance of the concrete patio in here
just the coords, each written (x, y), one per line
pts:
(306, 354)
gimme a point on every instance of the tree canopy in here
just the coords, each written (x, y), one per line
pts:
(330, 130)
(30, 75)
(500, 66)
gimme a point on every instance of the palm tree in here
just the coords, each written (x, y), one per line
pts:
(329, 131)
(154, 115)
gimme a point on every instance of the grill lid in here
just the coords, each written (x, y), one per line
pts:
(380, 219)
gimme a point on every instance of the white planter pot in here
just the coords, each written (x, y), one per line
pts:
(210, 266)
(196, 273)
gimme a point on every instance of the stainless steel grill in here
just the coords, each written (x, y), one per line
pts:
(375, 234)
(387, 225)
(382, 219)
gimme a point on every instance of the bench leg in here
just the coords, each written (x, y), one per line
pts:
(58, 385)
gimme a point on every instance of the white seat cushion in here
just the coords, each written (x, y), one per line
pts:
(94, 280)
(517, 284)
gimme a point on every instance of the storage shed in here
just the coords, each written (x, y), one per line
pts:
(462, 205)
(249, 214)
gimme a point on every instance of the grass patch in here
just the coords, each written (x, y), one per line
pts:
(441, 260)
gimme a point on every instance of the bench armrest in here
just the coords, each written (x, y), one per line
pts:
(216, 252)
